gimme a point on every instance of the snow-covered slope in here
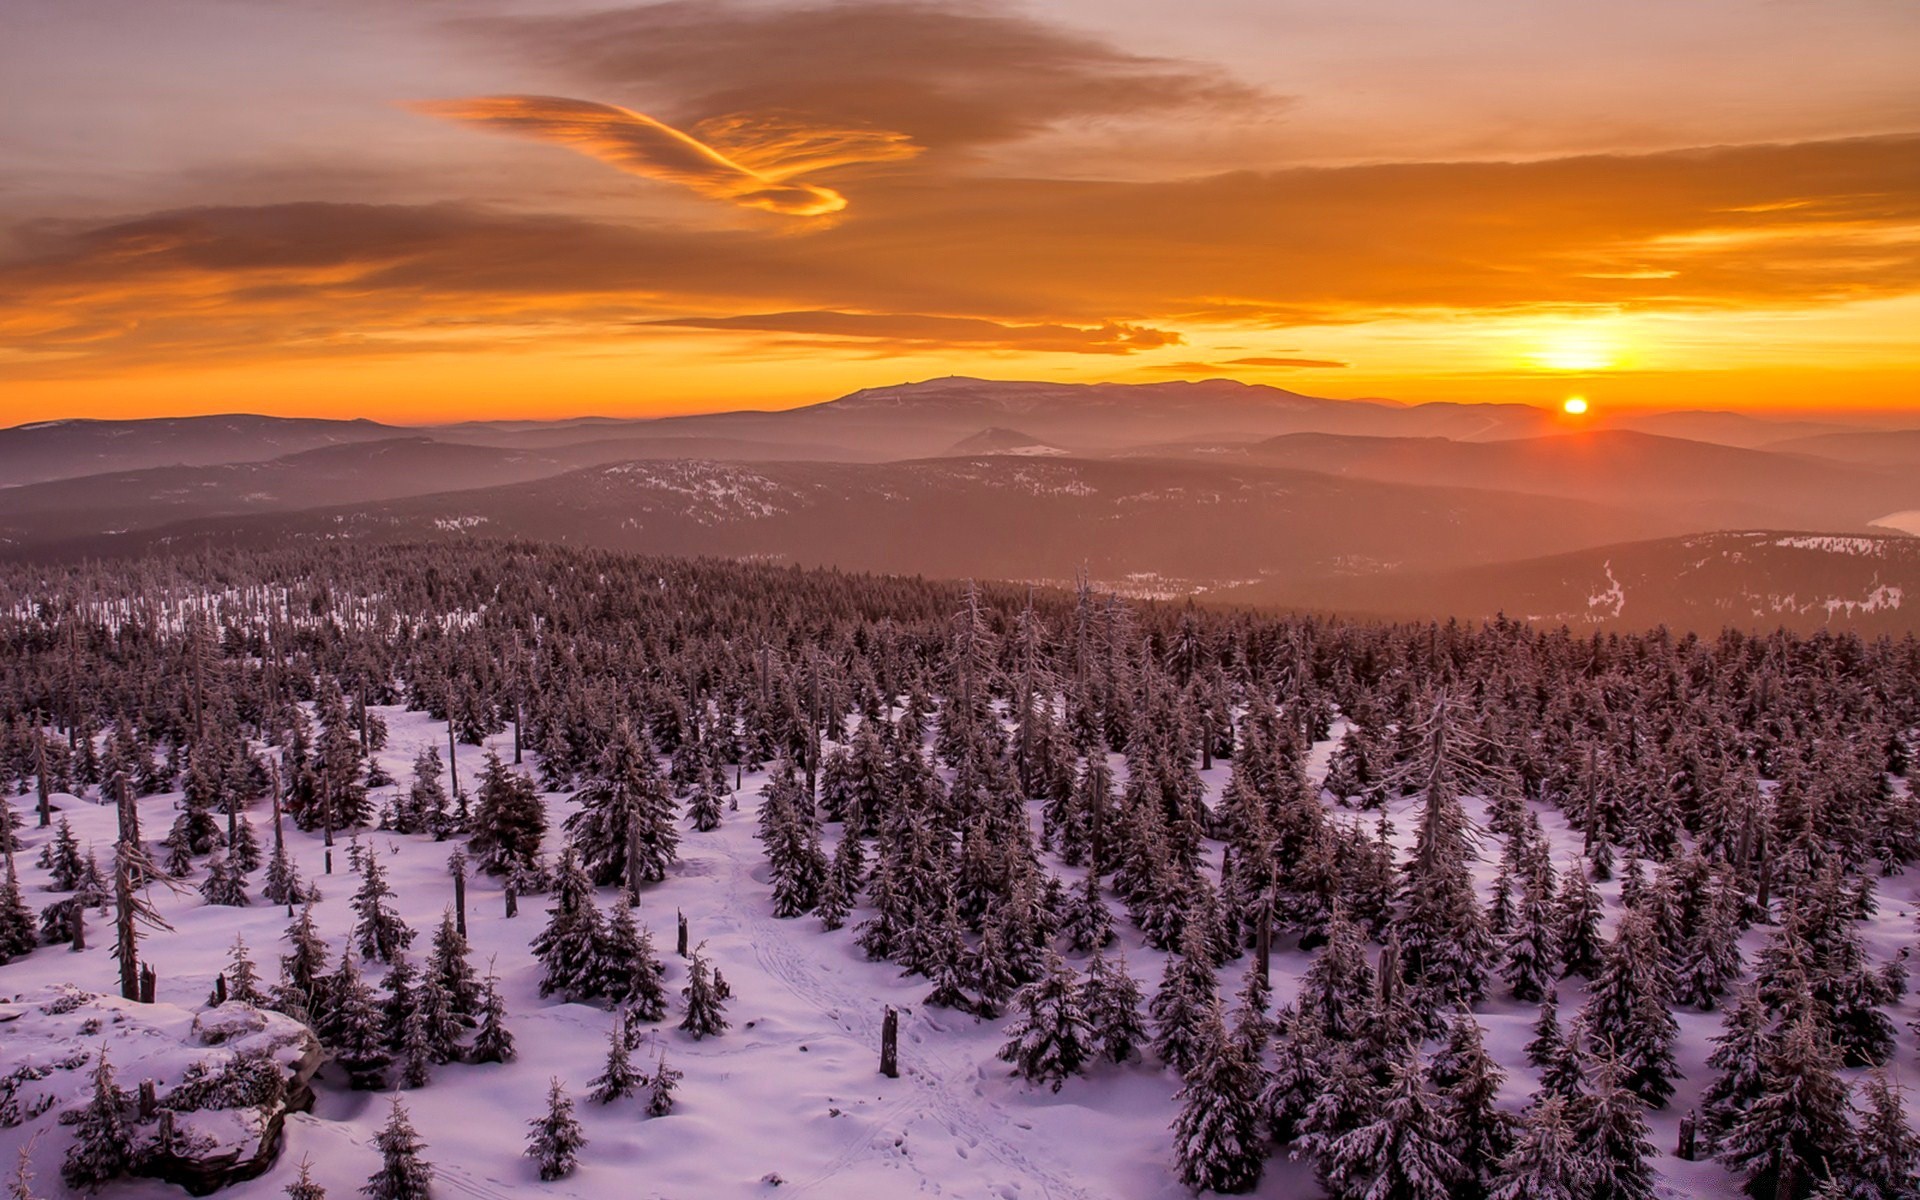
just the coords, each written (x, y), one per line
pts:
(791, 1090)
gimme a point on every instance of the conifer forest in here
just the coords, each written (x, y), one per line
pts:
(485, 869)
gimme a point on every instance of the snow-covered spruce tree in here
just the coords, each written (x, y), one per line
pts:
(1579, 910)
(379, 930)
(618, 1079)
(1444, 944)
(1180, 1005)
(1738, 1055)
(571, 944)
(303, 969)
(1799, 1130)
(1050, 1037)
(993, 976)
(1469, 1093)
(424, 808)
(660, 1090)
(1544, 1163)
(1886, 1159)
(223, 885)
(706, 1015)
(1111, 999)
(1628, 1007)
(492, 1041)
(1403, 1152)
(1088, 923)
(1547, 1042)
(62, 858)
(102, 1147)
(243, 977)
(403, 1174)
(1711, 962)
(1610, 1128)
(355, 1026)
(18, 936)
(281, 884)
(508, 820)
(448, 965)
(303, 1186)
(1339, 982)
(415, 1052)
(705, 804)
(629, 970)
(556, 1140)
(624, 831)
(1216, 1135)
(243, 848)
(835, 900)
(1531, 956)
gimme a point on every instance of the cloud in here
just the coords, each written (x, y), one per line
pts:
(1284, 362)
(914, 331)
(947, 75)
(1226, 367)
(957, 266)
(747, 160)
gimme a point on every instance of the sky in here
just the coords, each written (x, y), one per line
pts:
(419, 210)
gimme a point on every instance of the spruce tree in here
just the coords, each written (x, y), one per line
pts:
(1579, 911)
(448, 966)
(1050, 1037)
(303, 1187)
(1611, 1131)
(624, 831)
(618, 1079)
(1531, 957)
(102, 1148)
(556, 1139)
(1180, 1005)
(1482, 1133)
(1403, 1152)
(1798, 1131)
(18, 936)
(571, 944)
(1217, 1132)
(1886, 1161)
(223, 885)
(660, 1091)
(379, 930)
(1544, 1163)
(629, 970)
(493, 1041)
(1739, 1056)
(706, 1015)
(508, 820)
(403, 1174)
(1111, 999)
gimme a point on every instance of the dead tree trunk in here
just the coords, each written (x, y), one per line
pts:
(890, 1044)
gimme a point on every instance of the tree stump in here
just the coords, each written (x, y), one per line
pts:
(890, 1044)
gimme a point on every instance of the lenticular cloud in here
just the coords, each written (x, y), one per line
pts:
(746, 159)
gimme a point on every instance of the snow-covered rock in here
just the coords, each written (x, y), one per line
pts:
(224, 1079)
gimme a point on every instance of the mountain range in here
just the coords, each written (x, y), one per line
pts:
(1232, 492)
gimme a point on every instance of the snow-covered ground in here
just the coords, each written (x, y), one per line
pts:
(792, 1090)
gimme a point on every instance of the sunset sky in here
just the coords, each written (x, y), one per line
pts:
(421, 209)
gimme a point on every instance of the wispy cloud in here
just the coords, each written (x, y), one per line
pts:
(745, 159)
(914, 330)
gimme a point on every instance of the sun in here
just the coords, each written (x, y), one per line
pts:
(1574, 406)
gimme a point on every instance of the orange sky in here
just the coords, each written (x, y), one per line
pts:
(421, 211)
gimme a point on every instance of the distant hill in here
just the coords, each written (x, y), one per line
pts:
(1880, 448)
(1144, 526)
(1698, 485)
(44, 450)
(1751, 579)
(1004, 441)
